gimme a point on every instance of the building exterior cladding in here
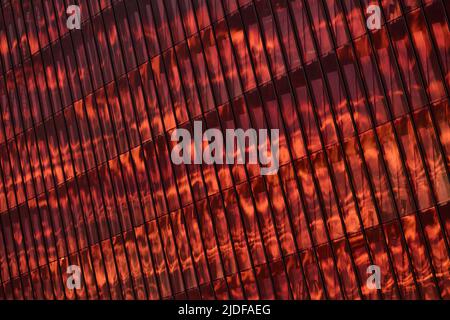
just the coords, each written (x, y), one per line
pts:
(86, 176)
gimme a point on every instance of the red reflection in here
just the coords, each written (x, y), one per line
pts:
(86, 176)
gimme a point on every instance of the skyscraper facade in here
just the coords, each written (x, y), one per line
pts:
(92, 205)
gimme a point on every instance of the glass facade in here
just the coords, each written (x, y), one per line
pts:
(86, 177)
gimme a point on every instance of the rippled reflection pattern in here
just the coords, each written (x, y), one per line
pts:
(86, 177)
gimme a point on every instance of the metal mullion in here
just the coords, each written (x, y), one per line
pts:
(90, 195)
(432, 116)
(77, 177)
(432, 40)
(27, 199)
(50, 43)
(360, 153)
(101, 190)
(282, 189)
(221, 190)
(78, 129)
(272, 218)
(280, 180)
(391, 190)
(156, 219)
(391, 122)
(18, 213)
(187, 171)
(100, 12)
(5, 71)
(160, 54)
(422, 7)
(364, 164)
(32, 228)
(309, 155)
(403, 156)
(215, 171)
(407, 115)
(378, 143)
